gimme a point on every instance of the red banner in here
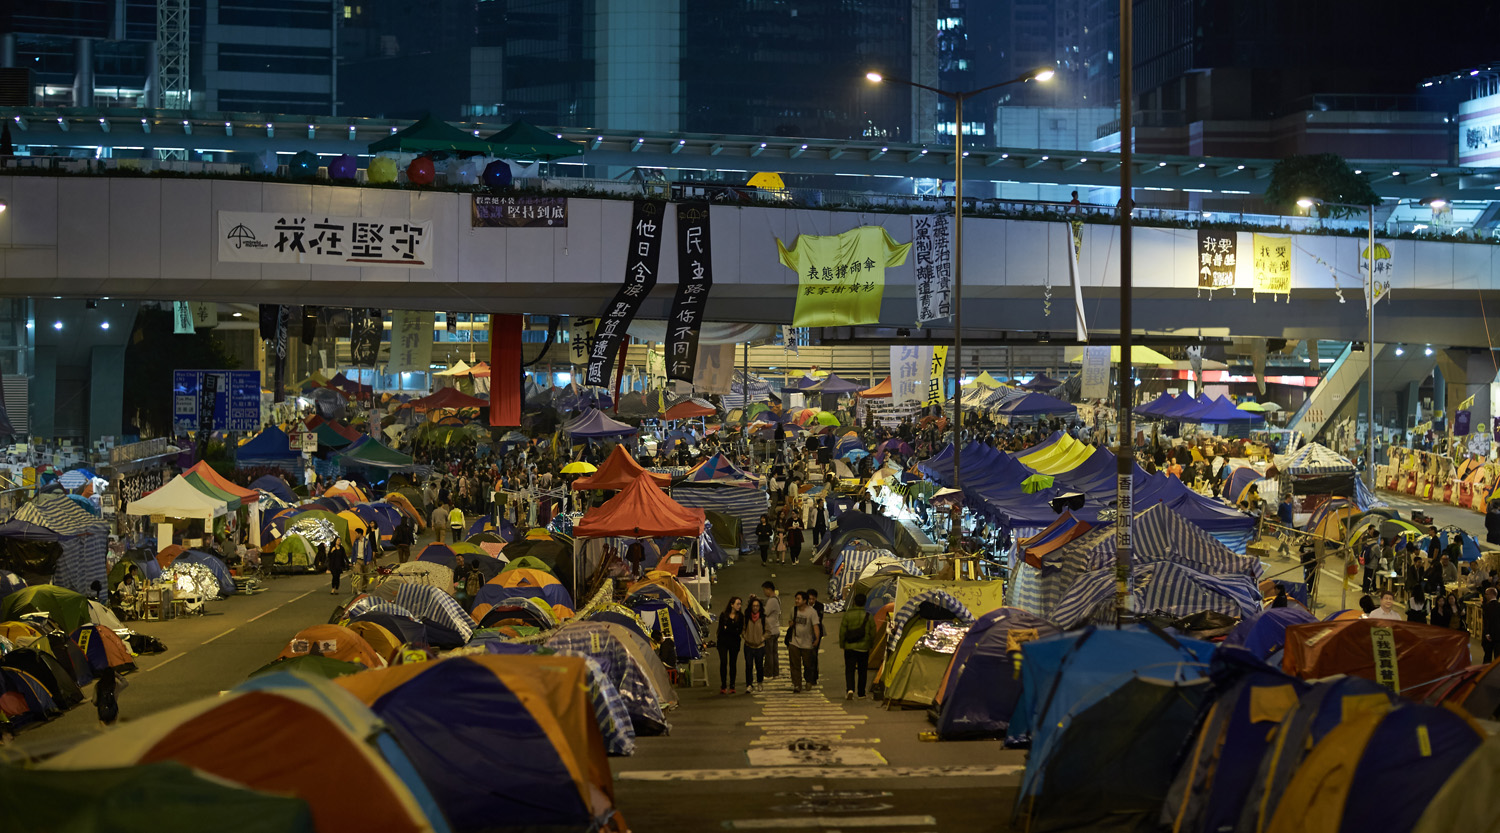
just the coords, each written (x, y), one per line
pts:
(505, 370)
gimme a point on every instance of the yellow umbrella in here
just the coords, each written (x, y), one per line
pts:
(579, 467)
(1139, 355)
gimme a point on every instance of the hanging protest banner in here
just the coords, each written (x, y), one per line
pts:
(1387, 671)
(1273, 265)
(1385, 267)
(411, 341)
(255, 237)
(936, 395)
(841, 278)
(580, 339)
(518, 212)
(714, 372)
(364, 338)
(205, 314)
(268, 316)
(283, 348)
(1075, 251)
(695, 278)
(641, 261)
(505, 369)
(182, 318)
(932, 266)
(1096, 372)
(1218, 252)
(911, 368)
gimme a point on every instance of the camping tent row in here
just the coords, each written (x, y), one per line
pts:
(1203, 410)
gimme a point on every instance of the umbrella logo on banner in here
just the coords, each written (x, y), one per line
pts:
(244, 237)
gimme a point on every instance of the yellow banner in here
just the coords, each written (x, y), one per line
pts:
(1273, 265)
(1383, 640)
(935, 392)
(841, 279)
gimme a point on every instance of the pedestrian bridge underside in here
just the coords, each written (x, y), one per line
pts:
(152, 238)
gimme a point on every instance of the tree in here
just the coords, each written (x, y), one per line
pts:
(151, 356)
(1324, 176)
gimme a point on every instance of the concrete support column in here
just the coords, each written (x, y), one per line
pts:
(106, 391)
(152, 84)
(44, 393)
(8, 50)
(1440, 392)
(83, 72)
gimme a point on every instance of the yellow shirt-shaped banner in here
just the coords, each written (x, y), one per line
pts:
(841, 279)
(1273, 264)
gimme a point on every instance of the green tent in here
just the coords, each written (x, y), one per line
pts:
(209, 488)
(294, 551)
(68, 609)
(525, 141)
(329, 437)
(373, 453)
(431, 135)
(527, 562)
(160, 797)
(727, 529)
(310, 665)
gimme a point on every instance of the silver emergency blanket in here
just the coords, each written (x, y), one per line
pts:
(943, 638)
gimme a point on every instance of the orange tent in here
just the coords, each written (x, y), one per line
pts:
(334, 642)
(881, 390)
(619, 470)
(1424, 655)
(642, 510)
(205, 471)
(165, 558)
(1034, 552)
(689, 408)
(448, 398)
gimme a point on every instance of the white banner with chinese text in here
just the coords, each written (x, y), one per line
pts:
(253, 237)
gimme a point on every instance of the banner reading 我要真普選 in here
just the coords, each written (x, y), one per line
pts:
(411, 340)
(841, 278)
(1218, 257)
(258, 237)
(1273, 265)
(695, 278)
(641, 261)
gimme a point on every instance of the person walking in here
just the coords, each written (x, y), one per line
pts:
(802, 638)
(856, 638)
(817, 607)
(772, 607)
(439, 521)
(764, 532)
(403, 537)
(794, 539)
(1489, 623)
(755, 645)
(731, 628)
(781, 542)
(364, 561)
(820, 524)
(456, 523)
(338, 561)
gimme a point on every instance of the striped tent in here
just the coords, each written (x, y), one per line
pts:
(599, 642)
(435, 608)
(1314, 458)
(85, 540)
(852, 561)
(941, 598)
(736, 501)
(1165, 588)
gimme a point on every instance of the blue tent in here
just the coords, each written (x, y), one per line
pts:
(593, 424)
(1222, 412)
(835, 385)
(1035, 404)
(992, 487)
(270, 447)
(982, 686)
(666, 616)
(1119, 702)
(1154, 407)
(276, 486)
(597, 641)
(1265, 633)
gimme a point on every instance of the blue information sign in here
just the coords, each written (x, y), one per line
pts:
(236, 406)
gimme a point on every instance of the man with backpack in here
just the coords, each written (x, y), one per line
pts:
(856, 637)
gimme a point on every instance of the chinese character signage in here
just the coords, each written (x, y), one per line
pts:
(935, 393)
(1383, 641)
(519, 212)
(1384, 267)
(841, 278)
(932, 253)
(411, 340)
(581, 340)
(640, 278)
(695, 277)
(1096, 372)
(246, 237)
(282, 346)
(182, 318)
(364, 337)
(1273, 265)
(1217, 255)
(911, 367)
(233, 404)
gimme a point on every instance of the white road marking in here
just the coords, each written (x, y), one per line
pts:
(846, 756)
(164, 662)
(833, 742)
(280, 606)
(212, 638)
(830, 821)
(825, 773)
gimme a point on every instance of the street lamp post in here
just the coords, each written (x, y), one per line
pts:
(958, 231)
(1309, 202)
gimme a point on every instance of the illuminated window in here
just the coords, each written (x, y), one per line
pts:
(348, 12)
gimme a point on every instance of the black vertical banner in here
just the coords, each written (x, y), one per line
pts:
(208, 399)
(640, 278)
(364, 337)
(282, 349)
(451, 318)
(695, 277)
(268, 314)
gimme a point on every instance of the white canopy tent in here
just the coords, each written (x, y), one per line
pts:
(177, 499)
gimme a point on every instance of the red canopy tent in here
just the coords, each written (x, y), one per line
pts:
(642, 510)
(313, 421)
(689, 409)
(448, 398)
(205, 471)
(881, 390)
(619, 470)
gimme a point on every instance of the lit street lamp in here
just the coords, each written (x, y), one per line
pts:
(958, 227)
(1309, 202)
